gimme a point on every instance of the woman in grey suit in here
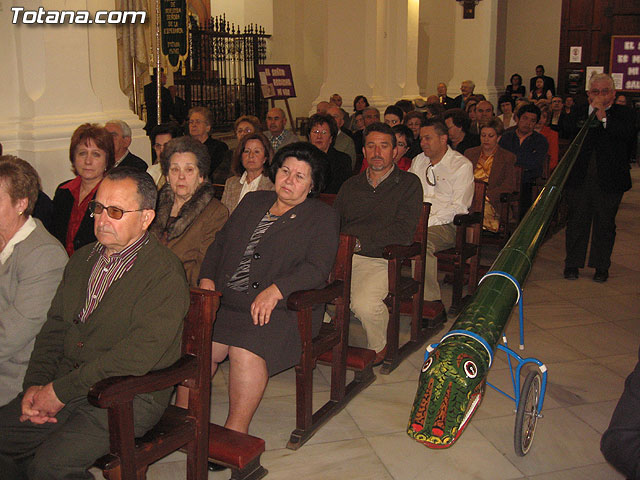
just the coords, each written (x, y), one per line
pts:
(277, 242)
(31, 265)
(250, 164)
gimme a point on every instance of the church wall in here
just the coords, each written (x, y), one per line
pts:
(533, 38)
(299, 39)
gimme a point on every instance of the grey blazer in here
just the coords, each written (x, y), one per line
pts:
(28, 280)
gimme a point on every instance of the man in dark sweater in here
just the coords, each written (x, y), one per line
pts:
(380, 206)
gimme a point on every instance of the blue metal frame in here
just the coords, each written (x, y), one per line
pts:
(515, 377)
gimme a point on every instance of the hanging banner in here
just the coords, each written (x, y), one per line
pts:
(276, 81)
(174, 29)
(624, 64)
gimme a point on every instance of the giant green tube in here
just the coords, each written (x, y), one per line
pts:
(453, 377)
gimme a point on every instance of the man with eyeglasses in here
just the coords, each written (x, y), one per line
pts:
(322, 132)
(118, 311)
(598, 180)
(447, 183)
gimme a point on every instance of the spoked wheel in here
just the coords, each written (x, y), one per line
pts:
(527, 413)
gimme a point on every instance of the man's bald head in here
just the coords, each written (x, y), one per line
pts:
(322, 107)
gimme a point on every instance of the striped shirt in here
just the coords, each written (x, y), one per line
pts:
(108, 270)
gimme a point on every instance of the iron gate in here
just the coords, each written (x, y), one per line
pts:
(221, 72)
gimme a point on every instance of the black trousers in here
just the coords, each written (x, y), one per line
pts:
(620, 443)
(68, 448)
(590, 210)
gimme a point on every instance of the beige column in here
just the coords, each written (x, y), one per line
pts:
(370, 48)
(479, 47)
(55, 78)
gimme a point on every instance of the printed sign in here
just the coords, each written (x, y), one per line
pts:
(276, 81)
(174, 29)
(624, 64)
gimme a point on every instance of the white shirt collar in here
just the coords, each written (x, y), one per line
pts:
(24, 231)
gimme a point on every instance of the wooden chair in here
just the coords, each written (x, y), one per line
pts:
(466, 249)
(509, 216)
(406, 294)
(178, 428)
(330, 346)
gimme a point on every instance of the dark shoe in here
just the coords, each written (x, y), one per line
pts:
(215, 467)
(600, 276)
(380, 356)
(571, 273)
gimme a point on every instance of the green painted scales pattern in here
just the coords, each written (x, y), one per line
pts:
(452, 380)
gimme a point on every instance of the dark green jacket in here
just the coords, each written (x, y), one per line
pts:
(136, 328)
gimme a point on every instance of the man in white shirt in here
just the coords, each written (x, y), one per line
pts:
(447, 183)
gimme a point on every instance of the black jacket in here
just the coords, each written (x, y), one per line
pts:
(62, 206)
(611, 145)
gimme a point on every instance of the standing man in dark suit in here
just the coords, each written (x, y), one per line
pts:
(598, 180)
(549, 83)
(121, 134)
(151, 102)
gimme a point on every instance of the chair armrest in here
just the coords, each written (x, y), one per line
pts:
(304, 299)
(467, 219)
(508, 197)
(392, 252)
(115, 390)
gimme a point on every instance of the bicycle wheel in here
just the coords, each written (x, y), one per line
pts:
(527, 413)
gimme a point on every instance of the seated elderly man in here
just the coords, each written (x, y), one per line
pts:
(121, 133)
(118, 311)
(343, 141)
(380, 206)
(447, 183)
(276, 133)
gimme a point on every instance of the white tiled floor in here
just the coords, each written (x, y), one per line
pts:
(587, 334)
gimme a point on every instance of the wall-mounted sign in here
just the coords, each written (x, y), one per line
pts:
(575, 54)
(624, 63)
(276, 81)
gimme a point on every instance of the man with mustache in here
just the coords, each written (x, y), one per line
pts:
(381, 206)
(118, 311)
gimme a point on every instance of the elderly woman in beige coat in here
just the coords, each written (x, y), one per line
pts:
(187, 214)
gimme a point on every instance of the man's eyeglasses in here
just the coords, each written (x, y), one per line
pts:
(96, 208)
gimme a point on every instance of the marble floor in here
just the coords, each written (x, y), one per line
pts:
(586, 333)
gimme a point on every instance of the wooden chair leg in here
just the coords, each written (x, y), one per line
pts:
(458, 281)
